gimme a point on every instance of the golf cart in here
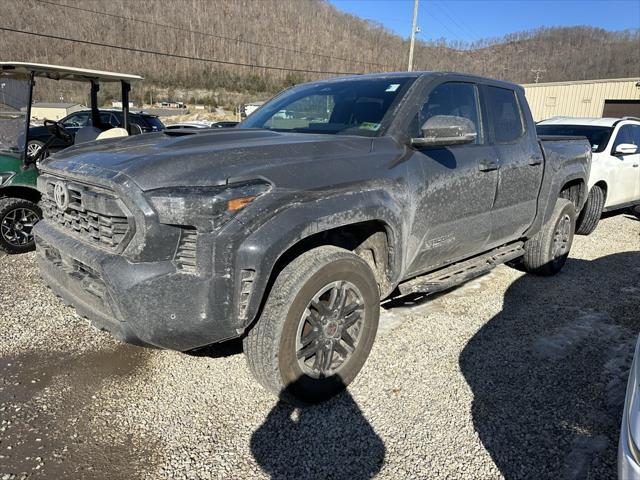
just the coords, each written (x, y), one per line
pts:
(18, 170)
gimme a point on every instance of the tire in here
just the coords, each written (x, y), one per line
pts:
(636, 211)
(273, 346)
(591, 212)
(33, 148)
(17, 217)
(547, 251)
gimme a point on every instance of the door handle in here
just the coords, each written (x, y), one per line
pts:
(487, 165)
(534, 160)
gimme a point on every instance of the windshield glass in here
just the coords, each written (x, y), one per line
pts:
(14, 97)
(349, 107)
(598, 136)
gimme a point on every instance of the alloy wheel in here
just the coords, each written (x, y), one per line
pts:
(330, 329)
(17, 226)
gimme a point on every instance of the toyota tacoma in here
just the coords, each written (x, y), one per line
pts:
(288, 230)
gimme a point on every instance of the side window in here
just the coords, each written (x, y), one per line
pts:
(77, 120)
(107, 119)
(504, 114)
(624, 135)
(635, 134)
(452, 99)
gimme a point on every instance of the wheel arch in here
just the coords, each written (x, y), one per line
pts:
(16, 191)
(372, 232)
(603, 186)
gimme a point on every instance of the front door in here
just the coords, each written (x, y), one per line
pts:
(624, 186)
(453, 220)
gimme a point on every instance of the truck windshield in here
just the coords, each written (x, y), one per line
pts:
(598, 136)
(348, 107)
(14, 97)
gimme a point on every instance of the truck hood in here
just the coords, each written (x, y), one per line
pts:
(205, 158)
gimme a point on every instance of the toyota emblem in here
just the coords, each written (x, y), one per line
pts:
(61, 196)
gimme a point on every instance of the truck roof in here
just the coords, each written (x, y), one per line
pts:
(416, 74)
(57, 72)
(592, 121)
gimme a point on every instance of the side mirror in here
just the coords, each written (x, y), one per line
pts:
(625, 149)
(443, 130)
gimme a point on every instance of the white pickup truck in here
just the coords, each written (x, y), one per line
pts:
(614, 182)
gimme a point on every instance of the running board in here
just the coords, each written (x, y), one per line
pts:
(449, 277)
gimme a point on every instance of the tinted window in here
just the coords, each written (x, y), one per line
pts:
(452, 99)
(107, 119)
(635, 134)
(598, 136)
(347, 107)
(624, 135)
(153, 122)
(505, 114)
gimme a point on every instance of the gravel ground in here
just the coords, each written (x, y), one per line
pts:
(510, 376)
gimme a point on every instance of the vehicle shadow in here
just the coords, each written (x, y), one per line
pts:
(549, 372)
(330, 440)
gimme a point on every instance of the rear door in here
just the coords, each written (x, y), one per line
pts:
(520, 160)
(454, 209)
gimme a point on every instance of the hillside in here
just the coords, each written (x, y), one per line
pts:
(297, 37)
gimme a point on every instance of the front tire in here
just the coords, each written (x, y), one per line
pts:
(547, 251)
(17, 218)
(591, 212)
(317, 327)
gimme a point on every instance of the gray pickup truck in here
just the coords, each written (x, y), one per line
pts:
(289, 230)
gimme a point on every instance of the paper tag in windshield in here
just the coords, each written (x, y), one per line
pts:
(393, 87)
(369, 126)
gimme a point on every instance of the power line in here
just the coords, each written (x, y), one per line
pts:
(174, 55)
(467, 28)
(212, 35)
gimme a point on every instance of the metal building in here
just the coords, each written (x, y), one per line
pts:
(614, 97)
(53, 111)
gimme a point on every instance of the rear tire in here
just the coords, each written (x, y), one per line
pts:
(322, 309)
(33, 149)
(17, 217)
(591, 212)
(547, 251)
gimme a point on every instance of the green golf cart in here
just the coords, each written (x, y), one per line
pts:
(19, 197)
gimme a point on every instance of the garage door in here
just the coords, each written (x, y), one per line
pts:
(621, 108)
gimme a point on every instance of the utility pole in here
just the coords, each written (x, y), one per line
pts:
(414, 30)
(538, 71)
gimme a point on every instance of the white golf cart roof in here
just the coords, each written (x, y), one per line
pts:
(57, 72)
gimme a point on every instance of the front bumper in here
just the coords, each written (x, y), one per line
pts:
(628, 454)
(147, 303)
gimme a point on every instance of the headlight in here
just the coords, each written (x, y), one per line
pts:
(203, 207)
(5, 177)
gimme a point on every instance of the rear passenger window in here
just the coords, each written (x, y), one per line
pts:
(505, 114)
(452, 99)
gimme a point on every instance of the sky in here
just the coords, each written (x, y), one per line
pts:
(470, 20)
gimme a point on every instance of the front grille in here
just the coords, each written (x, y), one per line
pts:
(93, 214)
